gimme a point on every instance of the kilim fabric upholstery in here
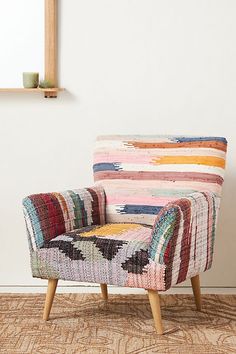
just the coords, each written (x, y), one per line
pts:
(148, 222)
(48, 215)
(110, 254)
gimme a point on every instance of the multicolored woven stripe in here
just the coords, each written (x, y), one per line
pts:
(48, 215)
(183, 236)
(141, 174)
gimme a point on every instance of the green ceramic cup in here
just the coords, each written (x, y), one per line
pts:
(30, 80)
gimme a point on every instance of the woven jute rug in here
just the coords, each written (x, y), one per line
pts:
(84, 323)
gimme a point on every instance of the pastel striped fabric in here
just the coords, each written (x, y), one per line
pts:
(141, 174)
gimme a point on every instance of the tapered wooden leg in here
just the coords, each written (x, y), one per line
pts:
(104, 291)
(52, 285)
(197, 291)
(154, 300)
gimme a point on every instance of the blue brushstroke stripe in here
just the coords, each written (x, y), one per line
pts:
(105, 166)
(182, 139)
(139, 209)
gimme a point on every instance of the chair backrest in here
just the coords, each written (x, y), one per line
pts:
(141, 174)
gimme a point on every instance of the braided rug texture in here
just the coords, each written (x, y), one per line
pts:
(86, 324)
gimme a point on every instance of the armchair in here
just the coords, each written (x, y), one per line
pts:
(149, 221)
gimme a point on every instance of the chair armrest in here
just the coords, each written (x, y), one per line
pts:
(48, 215)
(183, 236)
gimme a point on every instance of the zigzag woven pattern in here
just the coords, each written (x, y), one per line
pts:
(112, 254)
(141, 174)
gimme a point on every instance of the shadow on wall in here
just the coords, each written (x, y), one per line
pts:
(225, 246)
(227, 218)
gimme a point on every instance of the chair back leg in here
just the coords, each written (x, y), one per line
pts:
(195, 281)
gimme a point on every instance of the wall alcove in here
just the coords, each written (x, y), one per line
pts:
(50, 15)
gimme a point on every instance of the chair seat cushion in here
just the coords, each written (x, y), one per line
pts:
(112, 254)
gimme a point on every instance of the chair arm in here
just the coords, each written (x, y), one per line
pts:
(48, 215)
(183, 236)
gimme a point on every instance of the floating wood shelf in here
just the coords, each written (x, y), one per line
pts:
(48, 92)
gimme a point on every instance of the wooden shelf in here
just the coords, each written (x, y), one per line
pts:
(48, 92)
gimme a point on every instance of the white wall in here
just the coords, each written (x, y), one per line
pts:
(130, 66)
(22, 40)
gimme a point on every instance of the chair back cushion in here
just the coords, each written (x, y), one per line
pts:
(141, 174)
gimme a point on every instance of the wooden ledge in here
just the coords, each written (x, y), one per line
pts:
(48, 92)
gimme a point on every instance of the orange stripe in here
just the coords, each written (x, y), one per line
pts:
(204, 144)
(194, 160)
(63, 202)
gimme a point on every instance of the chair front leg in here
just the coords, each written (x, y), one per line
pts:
(52, 285)
(104, 291)
(195, 281)
(154, 300)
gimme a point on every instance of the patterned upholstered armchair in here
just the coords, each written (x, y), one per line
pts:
(149, 221)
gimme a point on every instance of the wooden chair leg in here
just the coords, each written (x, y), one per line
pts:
(52, 285)
(154, 300)
(197, 291)
(104, 291)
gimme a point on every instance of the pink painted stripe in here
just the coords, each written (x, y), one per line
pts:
(148, 156)
(127, 199)
(123, 157)
(140, 186)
